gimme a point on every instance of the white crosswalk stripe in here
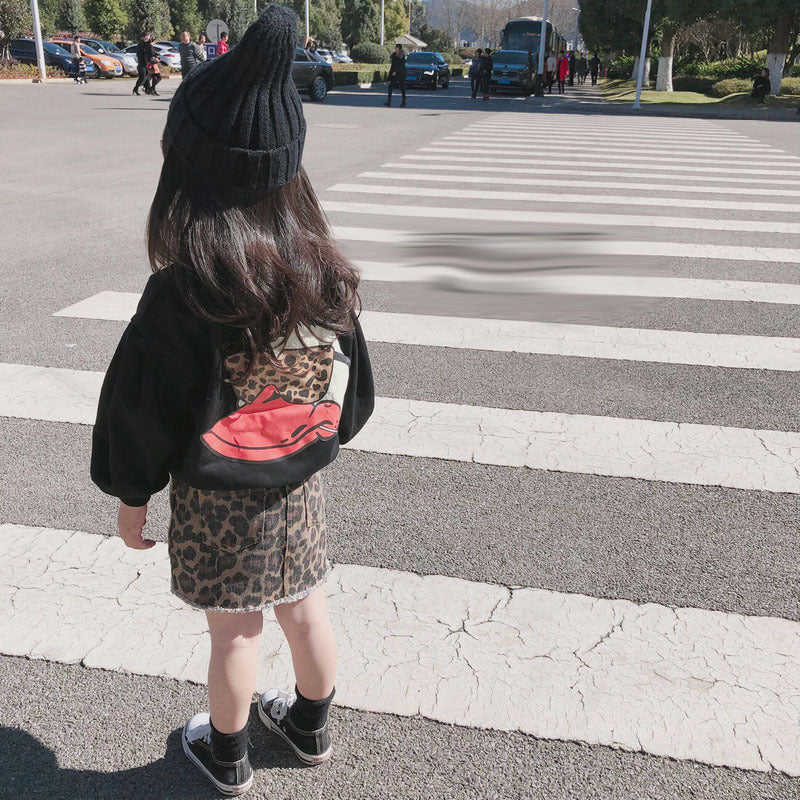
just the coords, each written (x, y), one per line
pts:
(676, 681)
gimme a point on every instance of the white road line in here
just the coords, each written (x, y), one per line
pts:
(545, 197)
(691, 183)
(590, 167)
(544, 338)
(669, 134)
(501, 129)
(705, 455)
(558, 217)
(605, 155)
(628, 161)
(548, 664)
(581, 145)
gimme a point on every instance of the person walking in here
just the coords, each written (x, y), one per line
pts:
(487, 67)
(562, 69)
(475, 69)
(191, 53)
(77, 58)
(594, 68)
(551, 71)
(240, 375)
(222, 44)
(582, 67)
(153, 68)
(397, 75)
(144, 50)
(572, 67)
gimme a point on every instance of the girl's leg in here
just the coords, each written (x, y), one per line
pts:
(232, 668)
(309, 633)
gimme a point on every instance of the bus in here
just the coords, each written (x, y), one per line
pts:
(524, 34)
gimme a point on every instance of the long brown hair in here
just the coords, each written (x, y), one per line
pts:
(265, 265)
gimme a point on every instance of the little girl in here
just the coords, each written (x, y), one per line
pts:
(238, 378)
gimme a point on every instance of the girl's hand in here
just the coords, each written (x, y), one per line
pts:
(131, 520)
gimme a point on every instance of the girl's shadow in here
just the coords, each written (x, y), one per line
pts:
(30, 770)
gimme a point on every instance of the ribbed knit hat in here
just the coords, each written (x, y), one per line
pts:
(237, 121)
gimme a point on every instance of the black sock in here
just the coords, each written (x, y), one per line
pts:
(310, 715)
(229, 747)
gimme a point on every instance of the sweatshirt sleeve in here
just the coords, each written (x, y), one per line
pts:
(360, 397)
(143, 421)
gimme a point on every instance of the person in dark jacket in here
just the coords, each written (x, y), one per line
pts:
(475, 71)
(487, 67)
(582, 67)
(235, 382)
(573, 63)
(153, 69)
(397, 75)
(143, 51)
(594, 68)
(192, 53)
(761, 85)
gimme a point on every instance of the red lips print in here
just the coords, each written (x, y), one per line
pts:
(270, 427)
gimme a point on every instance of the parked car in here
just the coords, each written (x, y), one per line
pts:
(109, 49)
(512, 72)
(342, 58)
(173, 45)
(24, 51)
(311, 74)
(168, 55)
(426, 68)
(105, 66)
(325, 55)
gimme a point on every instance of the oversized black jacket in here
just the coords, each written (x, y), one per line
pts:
(168, 407)
(397, 69)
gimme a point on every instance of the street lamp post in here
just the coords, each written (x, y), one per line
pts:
(37, 32)
(577, 17)
(308, 24)
(382, 21)
(538, 83)
(645, 32)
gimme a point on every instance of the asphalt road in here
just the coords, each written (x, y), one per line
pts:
(77, 171)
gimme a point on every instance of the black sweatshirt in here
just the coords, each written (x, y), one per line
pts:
(167, 406)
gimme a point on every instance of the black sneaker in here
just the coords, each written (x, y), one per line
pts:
(231, 778)
(311, 747)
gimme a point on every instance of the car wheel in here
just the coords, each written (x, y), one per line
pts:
(446, 84)
(435, 84)
(318, 89)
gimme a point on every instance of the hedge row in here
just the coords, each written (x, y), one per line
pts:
(354, 74)
(790, 86)
(13, 69)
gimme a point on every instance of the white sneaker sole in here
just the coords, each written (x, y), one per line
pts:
(224, 788)
(304, 757)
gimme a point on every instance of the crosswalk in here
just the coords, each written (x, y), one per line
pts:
(718, 684)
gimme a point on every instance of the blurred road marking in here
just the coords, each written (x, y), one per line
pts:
(539, 181)
(452, 154)
(548, 664)
(604, 155)
(541, 217)
(765, 186)
(706, 455)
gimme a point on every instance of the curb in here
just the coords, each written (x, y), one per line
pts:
(24, 81)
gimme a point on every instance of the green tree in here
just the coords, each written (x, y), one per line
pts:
(186, 17)
(240, 17)
(395, 20)
(325, 21)
(149, 15)
(15, 19)
(435, 39)
(71, 16)
(48, 14)
(106, 17)
(360, 22)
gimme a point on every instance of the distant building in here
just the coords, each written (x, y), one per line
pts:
(410, 42)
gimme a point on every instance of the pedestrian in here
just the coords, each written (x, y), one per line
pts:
(572, 67)
(761, 86)
(81, 76)
(562, 70)
(475, 69)
(222, 44)
(191, 53)
(153, 68)
(582, 67)
(487, 67)
(240, 375)
(144, 50)
(77, 57)
(397, 75)
(202, 40)
(594, 68)
(551, 71)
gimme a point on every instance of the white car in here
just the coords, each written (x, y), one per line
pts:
(168, 55)
(325, 55)
(341, 58)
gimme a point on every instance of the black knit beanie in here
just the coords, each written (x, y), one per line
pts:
(236, 122)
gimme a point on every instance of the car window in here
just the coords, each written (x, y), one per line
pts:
(89, 51)
(53, 49)
(420, 58)
(24, 46)
(511, 57)
(300, 54)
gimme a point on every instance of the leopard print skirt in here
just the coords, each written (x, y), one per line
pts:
(247, 550)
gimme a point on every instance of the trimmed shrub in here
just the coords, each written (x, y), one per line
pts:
(621, 68)
(791, 86)
(687, 83)
(731, 86)
(9, 68)
(467, 52)
(370, 53)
